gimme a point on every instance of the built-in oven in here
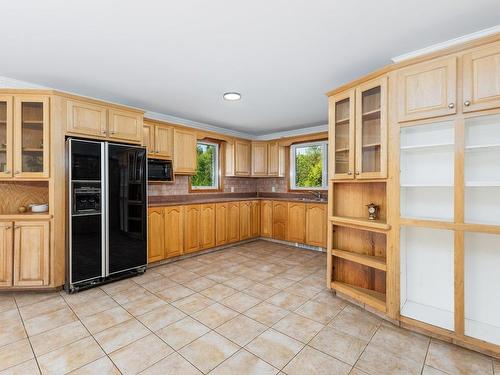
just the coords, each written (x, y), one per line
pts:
(160, 170)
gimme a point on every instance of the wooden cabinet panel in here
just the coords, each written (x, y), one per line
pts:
(86, 119)
(296, 222)
(164, 141)
(6, 237)
(148, 138)
(174, 231)
(481, 79)
(316, 224)
(427, 89)
(259, 159)
(245, 220)
(233, 222)
(31, 253)
(6, 137)
(192, 238)
(207, 226)
(156, 234)
(342, 135)
(266, 219)
(280, 220)
(31, 136)
(275, 159)
(125, 125)
(184, 152)
(242, 158)
(255, 219)
(221, 216)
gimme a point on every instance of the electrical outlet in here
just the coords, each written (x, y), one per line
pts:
(273, 189)
(232, 189)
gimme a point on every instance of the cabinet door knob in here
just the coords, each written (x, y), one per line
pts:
(103, 132)
(113, 132)
(467, 103)
(349, 173)
(357, 173)
(17, 172)
(451, 105)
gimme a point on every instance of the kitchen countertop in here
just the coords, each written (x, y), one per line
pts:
(175, 200)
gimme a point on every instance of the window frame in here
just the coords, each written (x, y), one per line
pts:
(217, 172)
(292, 166)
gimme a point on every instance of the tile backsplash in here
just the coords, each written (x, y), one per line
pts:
(239, 185)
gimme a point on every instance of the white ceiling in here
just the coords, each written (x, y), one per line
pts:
(178, 57)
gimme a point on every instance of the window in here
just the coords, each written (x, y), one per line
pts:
(308, 166)
(207, 167)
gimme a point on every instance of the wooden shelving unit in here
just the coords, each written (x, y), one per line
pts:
(358, 222)
(367, 260)
(370, 297)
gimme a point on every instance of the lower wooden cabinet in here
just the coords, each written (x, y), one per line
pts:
(280, 220)
(233, 222)
(31, 253)
(316, 219)
(174, 231)
(6, 242)
(245, 220)
(192, 239)
(156, 234)
(296, 222)
(221, 212)
(207, 226)
(255, 219)
(266, 219)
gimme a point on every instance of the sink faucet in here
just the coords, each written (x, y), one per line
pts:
(316, 194)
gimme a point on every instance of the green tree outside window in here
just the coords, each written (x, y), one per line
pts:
(206, 166)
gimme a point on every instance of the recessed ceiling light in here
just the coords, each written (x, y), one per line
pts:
(231, 96)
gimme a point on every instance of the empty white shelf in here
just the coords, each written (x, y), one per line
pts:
(429, 314)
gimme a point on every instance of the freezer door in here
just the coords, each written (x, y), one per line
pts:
(126, 207)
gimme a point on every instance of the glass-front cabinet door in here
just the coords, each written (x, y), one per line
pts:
(371, 129)
(5, 136)
(31, 137)
(342, 135)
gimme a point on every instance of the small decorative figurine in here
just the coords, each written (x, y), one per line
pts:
(372, 211)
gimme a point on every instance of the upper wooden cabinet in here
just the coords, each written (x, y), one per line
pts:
(125, 125)
(238, 158)
(481, 78)
(148, 138)
(31, 253)
(275, 159)
(207, 226)
(259, 158)
(6, 137)
(31, 137)
(358, 136)
(266, 218)
(159, 140)
(184, 152)
(427, 89)
(280, 220)
(297, 222)
(6, 238)
(316, 220)
(156, 234)
(174, 231)
(86, 118)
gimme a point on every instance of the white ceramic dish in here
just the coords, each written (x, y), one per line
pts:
(39, 207)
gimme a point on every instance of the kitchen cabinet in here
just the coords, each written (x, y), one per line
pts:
(315, 228)
(86, 118)
(427, 89)
(164, 141)
(156, 234)
(238, 158)
(481, 72)
(266, 219)
(280, 220)
(31, 253)
(233, 222)
(6, 138)
(296, 222)
(245, 220)
(255, 219)
(125, 125)
(148, 138)
(31, 136)
(6, 238)
(174, 231)
(275, 159)
(207, 226)
(259, 158)
(342, 134)
(192, 239)
(221, 215)
(184, 152)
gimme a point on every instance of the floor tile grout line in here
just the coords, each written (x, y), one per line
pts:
(425, 357)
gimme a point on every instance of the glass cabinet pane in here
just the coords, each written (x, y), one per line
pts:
(371, 130)
(342, 136)
(32, 123)
(3, 136)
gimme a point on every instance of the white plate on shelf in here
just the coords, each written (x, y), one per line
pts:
(39, 208)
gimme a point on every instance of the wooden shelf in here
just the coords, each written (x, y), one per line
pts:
(33, 122)
(367, 260)
(32, 149)
(371, 115)
(341, 121)
(342, 149)
(366, 296)
(371, 145)
(359, 222)
(26, 216)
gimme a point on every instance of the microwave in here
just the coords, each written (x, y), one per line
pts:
(160, 170)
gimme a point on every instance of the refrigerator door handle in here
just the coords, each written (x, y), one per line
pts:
(104, 205)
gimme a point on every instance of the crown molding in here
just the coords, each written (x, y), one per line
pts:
(292, 133)
(449, 43)
(11, 83)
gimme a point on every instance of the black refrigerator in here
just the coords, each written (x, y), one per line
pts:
(107, 218)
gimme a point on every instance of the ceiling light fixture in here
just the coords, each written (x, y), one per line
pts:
(232, 96)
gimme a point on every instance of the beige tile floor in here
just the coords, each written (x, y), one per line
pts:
(257, 308)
